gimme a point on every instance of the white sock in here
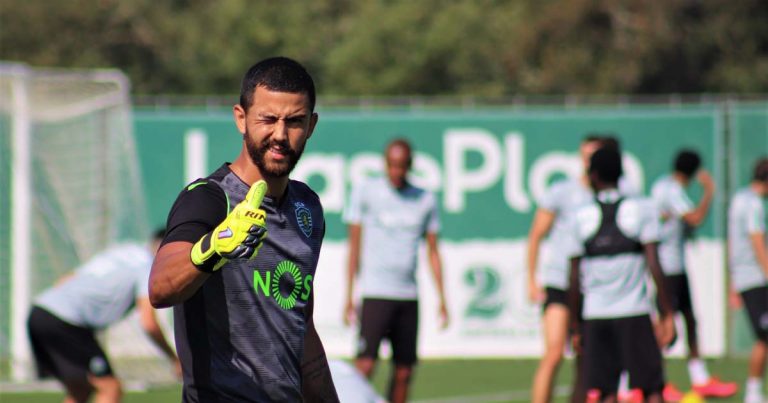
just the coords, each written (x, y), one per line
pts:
(697, 369)
(624, 382)
(753, 390)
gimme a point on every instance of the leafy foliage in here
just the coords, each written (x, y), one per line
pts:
(399, 47)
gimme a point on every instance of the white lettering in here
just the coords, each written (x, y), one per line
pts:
(330, 167)
(549, 164)
(514, 188)
(426, 172)
(364, 165)
(195, 154)
(459, 180)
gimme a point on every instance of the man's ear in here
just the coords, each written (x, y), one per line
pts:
(312, 123)
(239, 114)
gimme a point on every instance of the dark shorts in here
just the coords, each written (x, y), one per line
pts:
(678, 292)
(394, 320)
(68, 352)
(756, 304)
(554, 296)
(612, 345)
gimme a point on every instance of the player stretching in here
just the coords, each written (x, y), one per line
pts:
(612, 239)
(677, 211)
(748, 265)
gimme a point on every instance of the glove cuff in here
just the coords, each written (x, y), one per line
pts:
(203, 256)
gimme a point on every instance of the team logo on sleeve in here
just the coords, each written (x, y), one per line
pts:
(303, 218)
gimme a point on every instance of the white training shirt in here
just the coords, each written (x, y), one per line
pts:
(563, 198)
(746, 216)
(394, 221)
(613, 286)
(103, 289)
(671, 201)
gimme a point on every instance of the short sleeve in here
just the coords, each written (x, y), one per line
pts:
(353, 211)
(199, 208)
(552, 199)
(433, 216)
(755, 217)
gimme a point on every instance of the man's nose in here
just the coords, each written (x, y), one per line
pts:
(280, 131)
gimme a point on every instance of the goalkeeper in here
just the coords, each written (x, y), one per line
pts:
(65, 318)
(239, 259)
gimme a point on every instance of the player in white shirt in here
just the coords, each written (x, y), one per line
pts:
(748, 267)
(678, 214)
(65, 319)
(388, 218)
(612, 241)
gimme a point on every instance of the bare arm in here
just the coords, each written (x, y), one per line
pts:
(761, 255)
(316, 381)
(174, 278)
(436, 265)
(697, 216)
(666, 331)
(152, 328)
(353, 265)
(574, 302)
(542, 223)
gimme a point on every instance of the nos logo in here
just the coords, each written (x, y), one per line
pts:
(285, 284)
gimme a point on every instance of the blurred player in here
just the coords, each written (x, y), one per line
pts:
(678, 211)
(65, 318)
(241, 252)
(387, 219)
(352, 386)
(560, 200)
(748, 266)
(612, 239)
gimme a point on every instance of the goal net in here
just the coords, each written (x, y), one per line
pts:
(69, 187)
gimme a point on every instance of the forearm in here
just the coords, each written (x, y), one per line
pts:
(158, 339)
(152, 327)
(761, 255)
(352, 266)
(353, 262)
(436, 265)
(317, 383)
(174, 278)
(533, 256)
(700, 213)
(574, 293)
(652, 261)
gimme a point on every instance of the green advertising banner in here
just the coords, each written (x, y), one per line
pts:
(748, 136)
(488, 168)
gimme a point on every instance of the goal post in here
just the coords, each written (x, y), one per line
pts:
(70, 186)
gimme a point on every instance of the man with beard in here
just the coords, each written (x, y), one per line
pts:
(240, 256)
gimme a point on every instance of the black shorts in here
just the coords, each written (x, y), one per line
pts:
(554, 296)
(391, 319)
(65, 351)
(756, 303)
(678, 292)
(612, 345)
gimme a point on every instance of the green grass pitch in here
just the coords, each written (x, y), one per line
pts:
(469, 380)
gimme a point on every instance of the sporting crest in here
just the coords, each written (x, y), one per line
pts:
(303, 218)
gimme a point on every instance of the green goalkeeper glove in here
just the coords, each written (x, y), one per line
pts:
(240, 235)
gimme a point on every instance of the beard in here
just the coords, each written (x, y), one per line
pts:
(272, 169)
